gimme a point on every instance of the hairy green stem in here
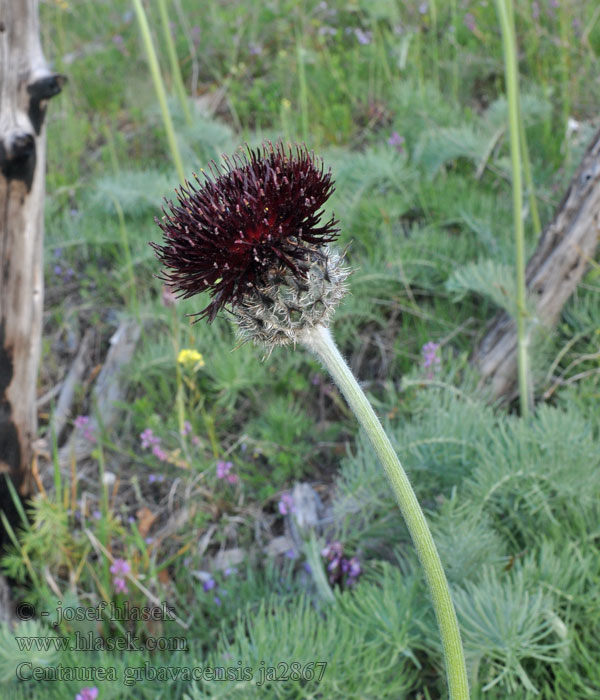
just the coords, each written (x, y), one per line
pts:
(159, 87)
(320, 342)
(505, 13)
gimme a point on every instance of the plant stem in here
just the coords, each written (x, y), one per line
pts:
(454, 15)
(133, 299)
(159, 87)
(178, 378)
(313, 557)
(434, 32)
(321, 343)
(175, 70)
(535, 214)
(505, 13)
(300, 60)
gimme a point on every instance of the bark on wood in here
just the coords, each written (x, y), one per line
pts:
(566, 247)
(26, 85)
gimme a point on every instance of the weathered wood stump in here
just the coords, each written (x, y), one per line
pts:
(565, 248)
(26, 85)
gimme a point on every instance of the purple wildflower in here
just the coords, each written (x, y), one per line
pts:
(120, 566)
(332, 551)
(120, 585)
(209, 584)
(469, 21)
(341, 570)
(148, 438)
(87, 693)
(430, 356)
(223, 469)
(159, 453)
(333, 565)
(187, 428)
(396, 141)
(363, 37)
(326, 30)
(354, 568)
(82, 423)
(120, 44)
(286, 504)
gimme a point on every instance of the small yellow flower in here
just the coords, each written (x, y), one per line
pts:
(190, 359)
(285, 104)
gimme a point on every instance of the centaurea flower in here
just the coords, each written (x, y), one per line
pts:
(252, 237)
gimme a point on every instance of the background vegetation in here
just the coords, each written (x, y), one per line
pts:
(405, 103)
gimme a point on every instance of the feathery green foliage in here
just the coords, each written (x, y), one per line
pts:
(427, 223)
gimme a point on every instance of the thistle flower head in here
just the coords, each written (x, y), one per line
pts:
(252, 236)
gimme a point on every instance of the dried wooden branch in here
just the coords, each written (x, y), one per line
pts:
(108, 392)
(26, 85)
(72, 380)
(559, 263)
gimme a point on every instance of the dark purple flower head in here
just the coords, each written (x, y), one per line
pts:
(258, 213)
